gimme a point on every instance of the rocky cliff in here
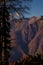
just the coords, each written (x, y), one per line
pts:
(26, 37)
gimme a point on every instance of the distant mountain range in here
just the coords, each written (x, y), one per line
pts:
(26, 37)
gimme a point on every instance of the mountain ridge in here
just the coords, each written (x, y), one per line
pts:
(27, 36)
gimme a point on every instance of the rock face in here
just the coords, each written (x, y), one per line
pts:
(26, 37)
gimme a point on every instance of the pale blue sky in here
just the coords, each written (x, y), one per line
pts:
(36, 8)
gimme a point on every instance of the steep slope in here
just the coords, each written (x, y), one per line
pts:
(26, 37)
(36, 44)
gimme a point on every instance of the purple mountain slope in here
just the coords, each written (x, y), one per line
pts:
(26, 37)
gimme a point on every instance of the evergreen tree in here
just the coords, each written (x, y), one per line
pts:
(20, 7)
(4, 34)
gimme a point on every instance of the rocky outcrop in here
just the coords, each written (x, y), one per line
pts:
(26, 37)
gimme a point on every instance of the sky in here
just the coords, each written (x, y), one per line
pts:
(36, 8)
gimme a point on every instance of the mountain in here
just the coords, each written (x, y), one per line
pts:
(26, 37)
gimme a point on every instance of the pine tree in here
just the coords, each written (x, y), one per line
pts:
(5, 25)
(4, 35)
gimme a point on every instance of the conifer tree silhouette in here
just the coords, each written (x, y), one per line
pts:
(0, 38)
(5, 25)
(4, 35)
